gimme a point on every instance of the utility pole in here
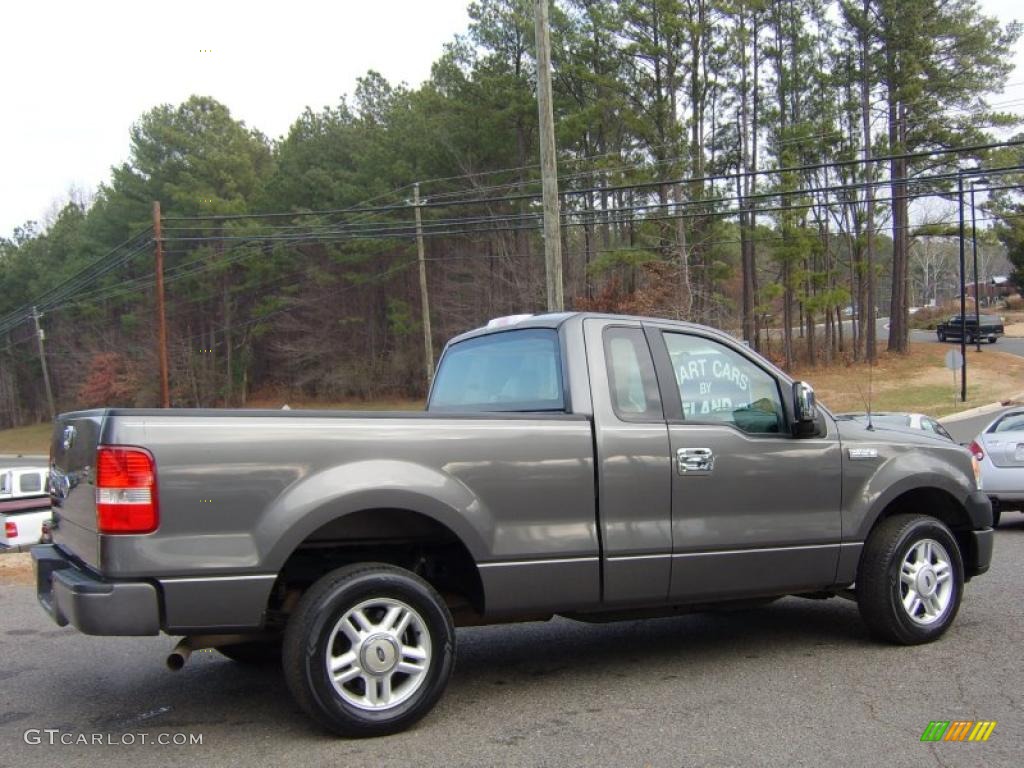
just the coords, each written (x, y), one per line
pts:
(548, 159)
(40, 337)
(161, 319)
(428, 345)
(963, 292)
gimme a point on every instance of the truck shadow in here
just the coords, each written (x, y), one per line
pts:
(503, 654)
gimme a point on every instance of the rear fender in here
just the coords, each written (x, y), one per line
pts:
(379, 484)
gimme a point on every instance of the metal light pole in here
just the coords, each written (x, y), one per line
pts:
(963, 291)
(977, 287)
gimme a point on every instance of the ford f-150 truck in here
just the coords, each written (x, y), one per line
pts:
(586, 465)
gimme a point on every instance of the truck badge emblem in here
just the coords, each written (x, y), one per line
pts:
(863, 453)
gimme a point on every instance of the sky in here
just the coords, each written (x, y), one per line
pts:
(76, 75)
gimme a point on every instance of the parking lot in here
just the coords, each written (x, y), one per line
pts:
(794, 683)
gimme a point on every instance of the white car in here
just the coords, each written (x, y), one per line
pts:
(1000, 451)
(24, 506)
(915, 422)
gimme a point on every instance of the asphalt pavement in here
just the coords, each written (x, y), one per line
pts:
(796, 683)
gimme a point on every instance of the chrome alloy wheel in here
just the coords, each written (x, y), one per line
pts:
(378, 654)
(926, 582)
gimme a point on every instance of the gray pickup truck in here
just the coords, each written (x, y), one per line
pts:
(592, 466)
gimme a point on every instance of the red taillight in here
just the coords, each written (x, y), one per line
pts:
(976, 451)
(126, 500)
(11, 530)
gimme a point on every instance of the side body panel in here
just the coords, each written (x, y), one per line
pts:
(239, 491)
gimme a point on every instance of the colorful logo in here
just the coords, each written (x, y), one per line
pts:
(958, 730)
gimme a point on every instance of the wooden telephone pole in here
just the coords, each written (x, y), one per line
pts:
(548, 161)
(40, 337)
(161, 319)
(428, 345)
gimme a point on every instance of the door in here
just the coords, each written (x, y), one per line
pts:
(754, 509)
(633, 467)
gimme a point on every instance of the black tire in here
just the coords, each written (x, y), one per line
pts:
(970, 338)
(256, 653)
(315, 623)
(992, 339)
(942, 335)
(879, 587)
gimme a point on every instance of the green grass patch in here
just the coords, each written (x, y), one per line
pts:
(31, 439)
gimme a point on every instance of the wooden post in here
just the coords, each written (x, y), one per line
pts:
(161, 319)
(428, 345)
(548, 162)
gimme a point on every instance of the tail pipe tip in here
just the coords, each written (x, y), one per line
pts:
(181, 653)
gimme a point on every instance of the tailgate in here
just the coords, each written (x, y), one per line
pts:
(1006, 449)
(72, 483)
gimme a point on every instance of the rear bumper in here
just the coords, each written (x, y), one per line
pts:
(1002, 482)
(73, 595)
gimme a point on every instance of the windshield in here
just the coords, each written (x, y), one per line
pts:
(510, 371)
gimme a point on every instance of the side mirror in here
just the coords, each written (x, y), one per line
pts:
(805, 410)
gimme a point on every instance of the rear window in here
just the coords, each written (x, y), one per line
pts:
(1013, 422)
(31, 482)
(509, 371)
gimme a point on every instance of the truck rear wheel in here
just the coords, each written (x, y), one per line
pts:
(910, 580)
(369, 650)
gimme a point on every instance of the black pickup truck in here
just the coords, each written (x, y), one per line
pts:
(990, 328)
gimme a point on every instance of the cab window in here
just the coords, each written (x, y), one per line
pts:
(631, 378)
(717, 384)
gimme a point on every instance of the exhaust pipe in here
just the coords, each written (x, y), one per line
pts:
(181, 653)
(183, 650)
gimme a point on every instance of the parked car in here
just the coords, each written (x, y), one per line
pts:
(587, 465)
(990, 328)
(913, 421)
(999, 449)
(24, 506)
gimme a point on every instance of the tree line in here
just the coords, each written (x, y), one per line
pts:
(751, 164)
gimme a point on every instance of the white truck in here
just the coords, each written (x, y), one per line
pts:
(24, 506)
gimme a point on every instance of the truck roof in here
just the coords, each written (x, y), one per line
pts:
(557, 319)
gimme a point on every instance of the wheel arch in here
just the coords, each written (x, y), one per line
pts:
(934, 501)
(397, 535)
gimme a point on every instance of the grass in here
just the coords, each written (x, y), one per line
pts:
(32, 439)
(918, 382)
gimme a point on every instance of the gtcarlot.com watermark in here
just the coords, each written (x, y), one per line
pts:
(57, 737)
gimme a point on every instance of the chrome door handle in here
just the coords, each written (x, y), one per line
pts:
(695, 460)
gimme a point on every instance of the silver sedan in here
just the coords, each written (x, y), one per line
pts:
(1000, 451)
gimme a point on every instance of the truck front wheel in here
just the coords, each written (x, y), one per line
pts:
(910, 580)
(369, 650)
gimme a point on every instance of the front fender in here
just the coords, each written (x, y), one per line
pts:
(872, 489)
(320, 498)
